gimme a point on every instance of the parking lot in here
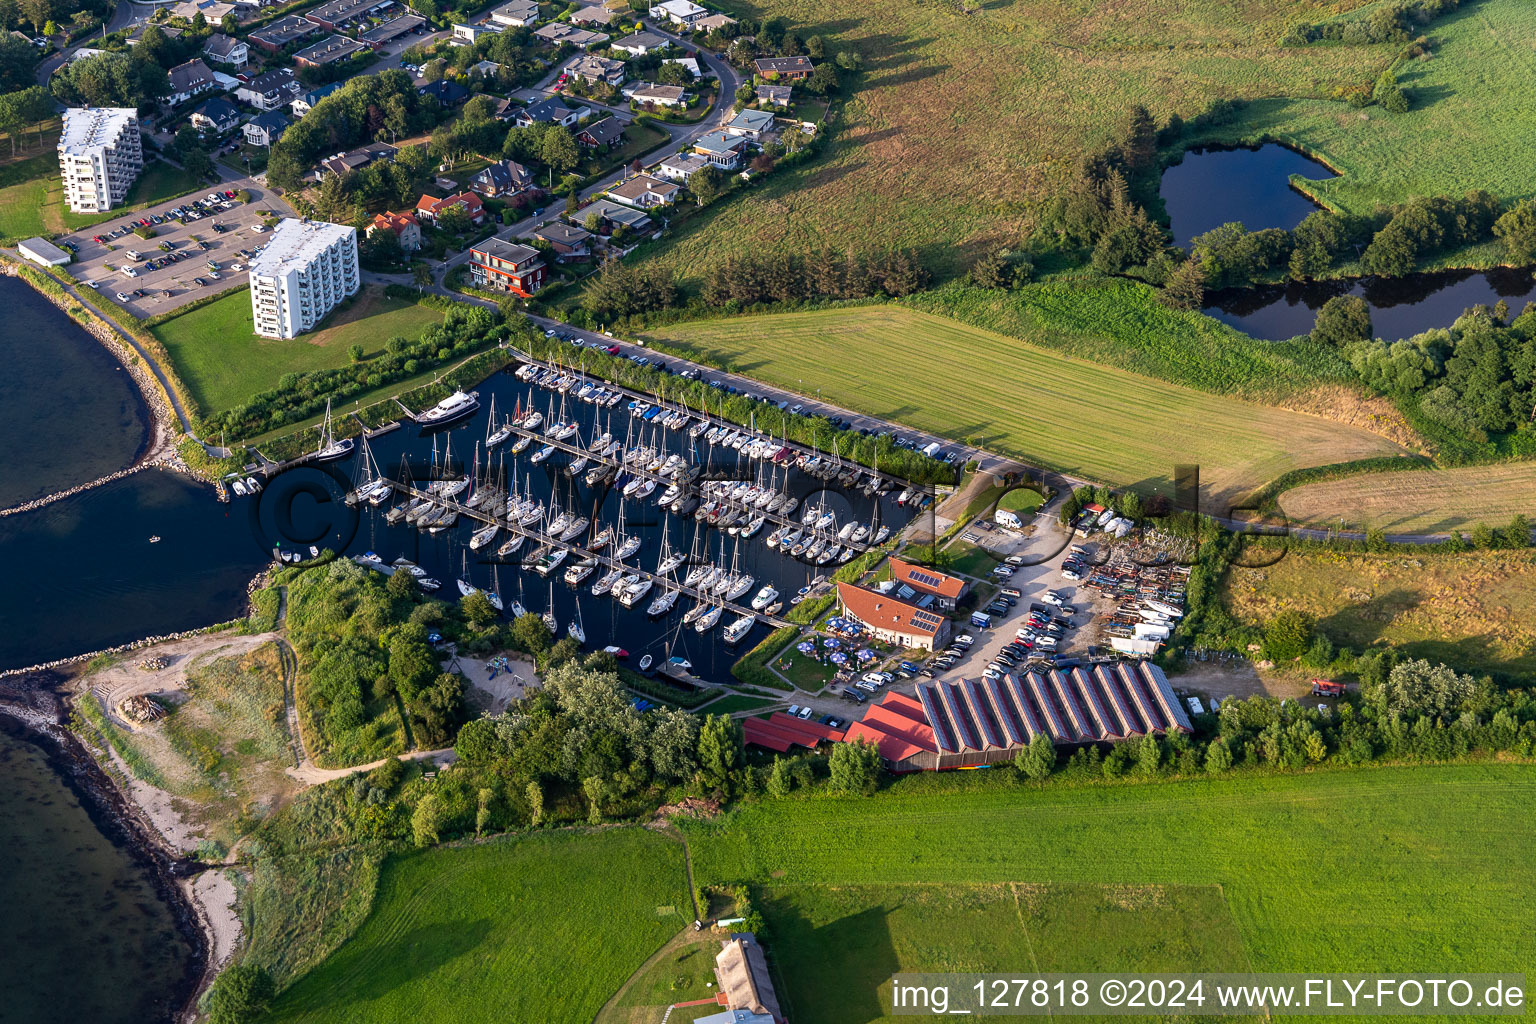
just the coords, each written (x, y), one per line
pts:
(171, 263)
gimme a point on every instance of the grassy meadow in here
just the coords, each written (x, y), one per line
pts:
(1039, 405)
(963, 125)
(1476, 611)
(1419, 501)
(224, 364)
(543, 928)
(32, 196)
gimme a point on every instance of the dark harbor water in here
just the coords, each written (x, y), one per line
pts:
(1400, 307)
(1212, 187)
(87, 938)
(69, 412)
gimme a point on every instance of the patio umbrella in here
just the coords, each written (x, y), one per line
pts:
(838, 658)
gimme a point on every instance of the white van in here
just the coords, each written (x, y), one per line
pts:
(1009, 520)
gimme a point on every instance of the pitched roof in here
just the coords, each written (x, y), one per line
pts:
(642, 40)
(718, 141)
(779, 94)
(392, 221)
(611, 211)
(752, 120)
(765, 65)
(565, 234)
(642, 185)
(742, 971)
(929, 581)
(594, 16)
(513, 252)
(884, 612)
(218, 109)
(714, 21)
(191, 75)
(647, 91)
(604, 131)
(221, 45)
(547, 109)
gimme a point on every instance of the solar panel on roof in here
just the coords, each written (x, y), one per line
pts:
(927, 619)
(1053, 722)
(1076, 718)
(1006, 714)
(1143, 704)
(1160, 688)
(982, 714)
(1025, 706)
(1108, 728)
(957, 714)
(925, 578)
(936, 720)
(1130, 725)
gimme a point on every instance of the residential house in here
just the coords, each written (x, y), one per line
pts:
(305, 103)
(775, 95)
(688, 64)
(926, 586)
(547, 111)
(681, 167)
(592, 68)
(515, 14)
(560, 32)
(381, 35)
(188, 80)
(645, 192)
(750, 124)
(270, 90)
(506, 109)
(659, 95)
(679, 12)
(448, 94)
(356, 160)
(711, 22)
(891, 620)
(641, 43)
(284, 32)
(611, 214)
(722, 150)
(741, 973)
(338, 14)
(265, 128)
(212, 12)
(595, 16)
(227, 50)
(468, 35)
(429, 208)
(216, 115)
(602, 133)
(569, 241)
(498, 265)
(503, 178)
(484, 69)
(791, 69)
(402, 225)
(333, 50)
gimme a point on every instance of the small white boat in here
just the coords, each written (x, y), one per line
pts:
(764, 597)
(449, 409)
(605, 584)
(706, 622)
(739, 628)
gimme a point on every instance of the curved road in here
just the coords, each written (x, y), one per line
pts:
(126, 14)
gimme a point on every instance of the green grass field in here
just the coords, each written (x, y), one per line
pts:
(1470, 126)
(32, 198)
(543, 928)
(1428, 501)
(978, 386)
(224, 364)
(1388, 869)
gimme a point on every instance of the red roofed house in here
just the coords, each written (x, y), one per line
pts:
(429, 208)
(946, 590)
(402, 225)
(500, 265)
(893, 620)
(899, 727)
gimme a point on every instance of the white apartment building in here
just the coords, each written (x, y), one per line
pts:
(100, 156)
(307, 268)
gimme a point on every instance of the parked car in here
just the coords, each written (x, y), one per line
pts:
(805, 712)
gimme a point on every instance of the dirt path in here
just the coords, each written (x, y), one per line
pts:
(312, 775)
(610, 1013)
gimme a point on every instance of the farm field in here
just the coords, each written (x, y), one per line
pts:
(543, 928)
(980, 387)
(1476, 611)
(224, 364)
(1399, 868)
(1417, 501)
(836, 947)
(1468, 129)
(1011, 95)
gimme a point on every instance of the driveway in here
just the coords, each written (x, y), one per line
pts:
(102, 263)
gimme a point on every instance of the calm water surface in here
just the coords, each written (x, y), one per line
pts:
(1213, 187)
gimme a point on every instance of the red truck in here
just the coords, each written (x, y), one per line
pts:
(1327, 688)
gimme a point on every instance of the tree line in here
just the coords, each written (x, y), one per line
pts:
(1395, 22)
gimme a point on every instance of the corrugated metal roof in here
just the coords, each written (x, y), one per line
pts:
(1140, 700)
(935, 720)
(1108, 728)
(1157, 681)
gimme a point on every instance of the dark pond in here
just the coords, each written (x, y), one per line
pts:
(1400, 307)
(1212, 187)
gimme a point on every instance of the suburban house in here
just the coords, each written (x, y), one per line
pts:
(547, 110)
(503, 178)
(891, 620)
(448, 94)
(602, 133)
(265, 128)
(644, 191)
(660, 95)
(679, 12)
(227, 50)
(381, 35)
(499, 265)
(212, 11)
(775, 95)
(429, 208)
(595, 16)
(506, 109)
(641, 43)
(681, 167)
(468, 35)
(402, 225)
(270, 90)
(711, 22)
(926, 586)
(750, 124)
(515, 14)
(338, 14)
(569, 241)
(188, 80)
(688, 64)
(613, 214)
(305, 103)
(591, 68)
(284, 32)
(559, 32)
(329, 51)
(745, 987)
(721, 149)
(485, 69)
(791, 68)
(356, 160)
(217, 115)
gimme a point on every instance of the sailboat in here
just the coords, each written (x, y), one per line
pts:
(629, 544)
(494, 594)
(670, 559)
(498, 435)
(549, 612)
(518, 608)
(663, 602)
(575, 629)
(740, 628)
(330, 448)
(465, 587)
(704, 623)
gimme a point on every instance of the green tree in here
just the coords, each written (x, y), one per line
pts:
(1517, 534)
(240, 994)
(1287, 636)
(1483, 537)
(1185, 288)
(1149, 755)
(780, 780)
(1417, 687)
(1218, 756)
(1517, 228)
(1390, 94)
(719, 750)
(477, 742)
(558, 148)
(427, 820)
(483, 810)
(596, 789)
(355, 354)
(854, 767)
(706, 185)
(535, 797)
(1036, 760)
(1341, 320)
